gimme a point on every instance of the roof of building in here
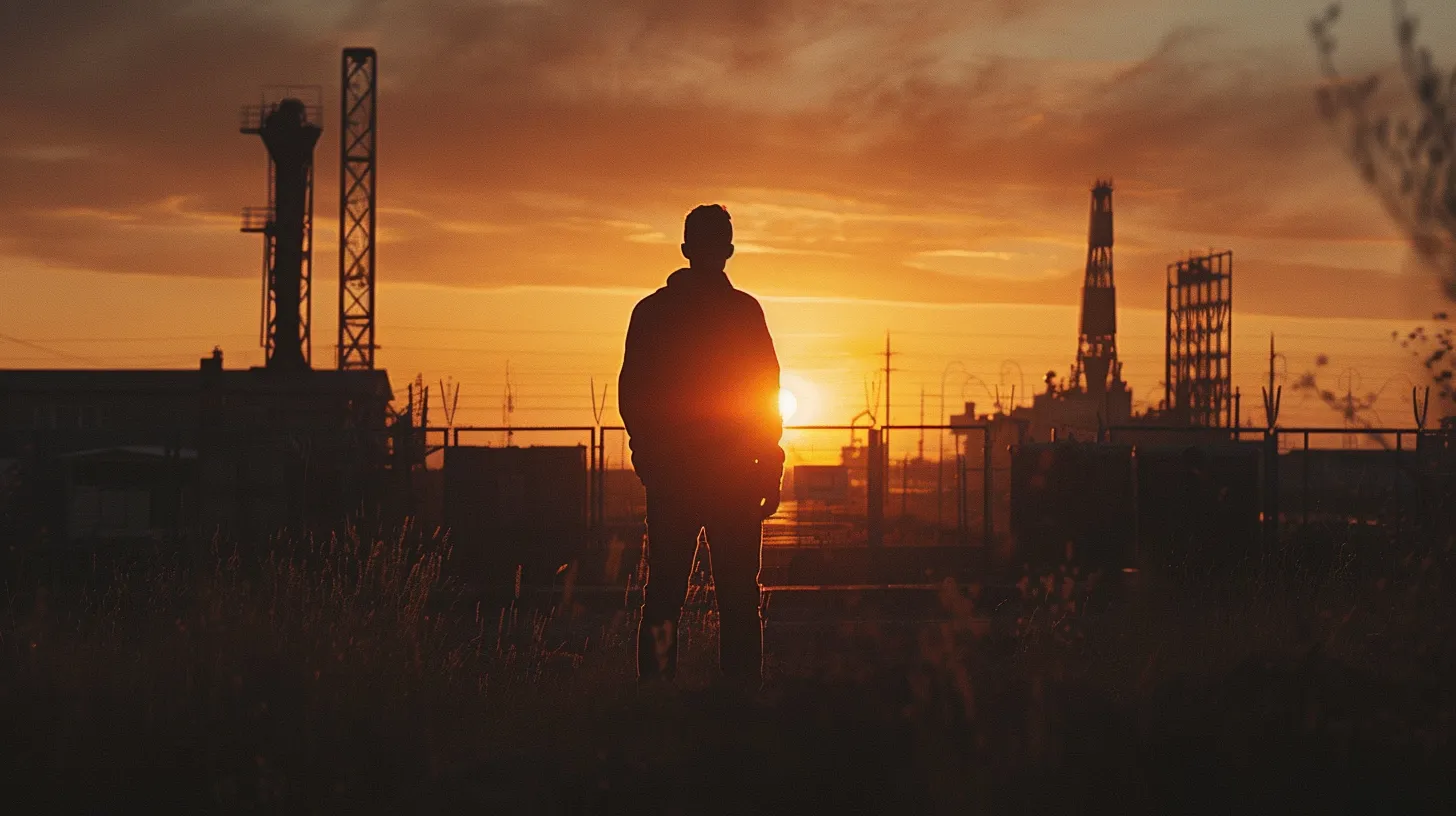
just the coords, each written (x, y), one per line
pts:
(184, 381)
(132, 452)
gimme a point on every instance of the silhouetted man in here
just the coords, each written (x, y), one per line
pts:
(699, 395)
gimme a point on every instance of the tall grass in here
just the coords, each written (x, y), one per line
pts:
(306, 671)
(352, 674)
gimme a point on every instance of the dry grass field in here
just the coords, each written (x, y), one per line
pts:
(353, 676)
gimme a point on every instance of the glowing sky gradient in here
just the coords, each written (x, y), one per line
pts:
(913, 167)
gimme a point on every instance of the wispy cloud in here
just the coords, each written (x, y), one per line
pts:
(48, 153)
(985, 264)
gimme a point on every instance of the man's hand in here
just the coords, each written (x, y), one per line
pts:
(771, 473)
(771, 503)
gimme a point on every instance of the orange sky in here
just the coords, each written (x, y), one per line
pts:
(891, 166)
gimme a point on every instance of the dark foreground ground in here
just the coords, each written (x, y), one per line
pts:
(349, 678)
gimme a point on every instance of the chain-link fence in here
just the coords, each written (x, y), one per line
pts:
(1135, 495)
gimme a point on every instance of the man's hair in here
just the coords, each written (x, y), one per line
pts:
(708, 225)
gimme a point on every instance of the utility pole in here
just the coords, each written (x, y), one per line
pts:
(920, 449)
(887, 378)
(885, 433)
(508, 406)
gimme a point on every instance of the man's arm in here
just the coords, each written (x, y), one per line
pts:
(773, 428)
(767, 451)
(629, 381)
(633, 397)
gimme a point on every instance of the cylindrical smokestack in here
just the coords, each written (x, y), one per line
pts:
(290, 139)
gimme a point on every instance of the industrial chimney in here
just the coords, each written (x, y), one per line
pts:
(289, 132)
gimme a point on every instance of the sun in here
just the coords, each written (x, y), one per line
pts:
(788, 404)
(799, 398)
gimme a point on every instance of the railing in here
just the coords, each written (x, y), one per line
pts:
(986, 496)
(1353, 477)
(256, 219)
(883, 500)
(252, 117)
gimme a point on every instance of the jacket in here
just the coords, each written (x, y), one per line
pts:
(699, 387)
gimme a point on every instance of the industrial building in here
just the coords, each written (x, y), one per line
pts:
(143, 454)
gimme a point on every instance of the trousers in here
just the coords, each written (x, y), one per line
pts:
(734, 528)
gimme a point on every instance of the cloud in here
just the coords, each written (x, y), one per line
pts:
(968, 253)
(560, 141)
(985, 264)
(48, 153)
(746, 248)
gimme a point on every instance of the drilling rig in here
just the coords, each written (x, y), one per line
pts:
(1097, 341)
(1095, 396)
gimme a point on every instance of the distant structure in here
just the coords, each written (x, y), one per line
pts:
(1097, 343)
(1199, 341)
(1094, 397)
(359, 90)
(150, 453)
(196, 453)
(290, 131)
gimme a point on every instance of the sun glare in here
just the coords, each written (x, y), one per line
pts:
(788, 404)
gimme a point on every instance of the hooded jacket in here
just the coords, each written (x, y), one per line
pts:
(699, 387)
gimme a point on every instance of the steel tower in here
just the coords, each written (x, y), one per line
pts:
(357, 161)
(289, 129)
(1097, 342)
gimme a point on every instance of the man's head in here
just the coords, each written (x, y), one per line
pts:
(708, 236)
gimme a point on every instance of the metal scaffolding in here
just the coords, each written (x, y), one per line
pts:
(1198, 372)
(357, 164)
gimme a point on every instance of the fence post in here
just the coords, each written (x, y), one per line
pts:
(1399, 492)
(1271, 488)
(963, 523)
(875, 489)
(904, 486)
(1304, 488)
(591, 485)
(602, 480)
(988, 530)
(1137, 509)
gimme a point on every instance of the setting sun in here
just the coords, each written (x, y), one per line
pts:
(788, 404)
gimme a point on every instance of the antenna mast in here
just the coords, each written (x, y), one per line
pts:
(357, 161)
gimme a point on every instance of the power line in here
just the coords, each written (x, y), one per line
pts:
(475, 330)
(159, 338)
(528, 352)
(56, 352)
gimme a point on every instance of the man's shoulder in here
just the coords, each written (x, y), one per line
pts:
(653, 300)
(744, 300)
(669, 298)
